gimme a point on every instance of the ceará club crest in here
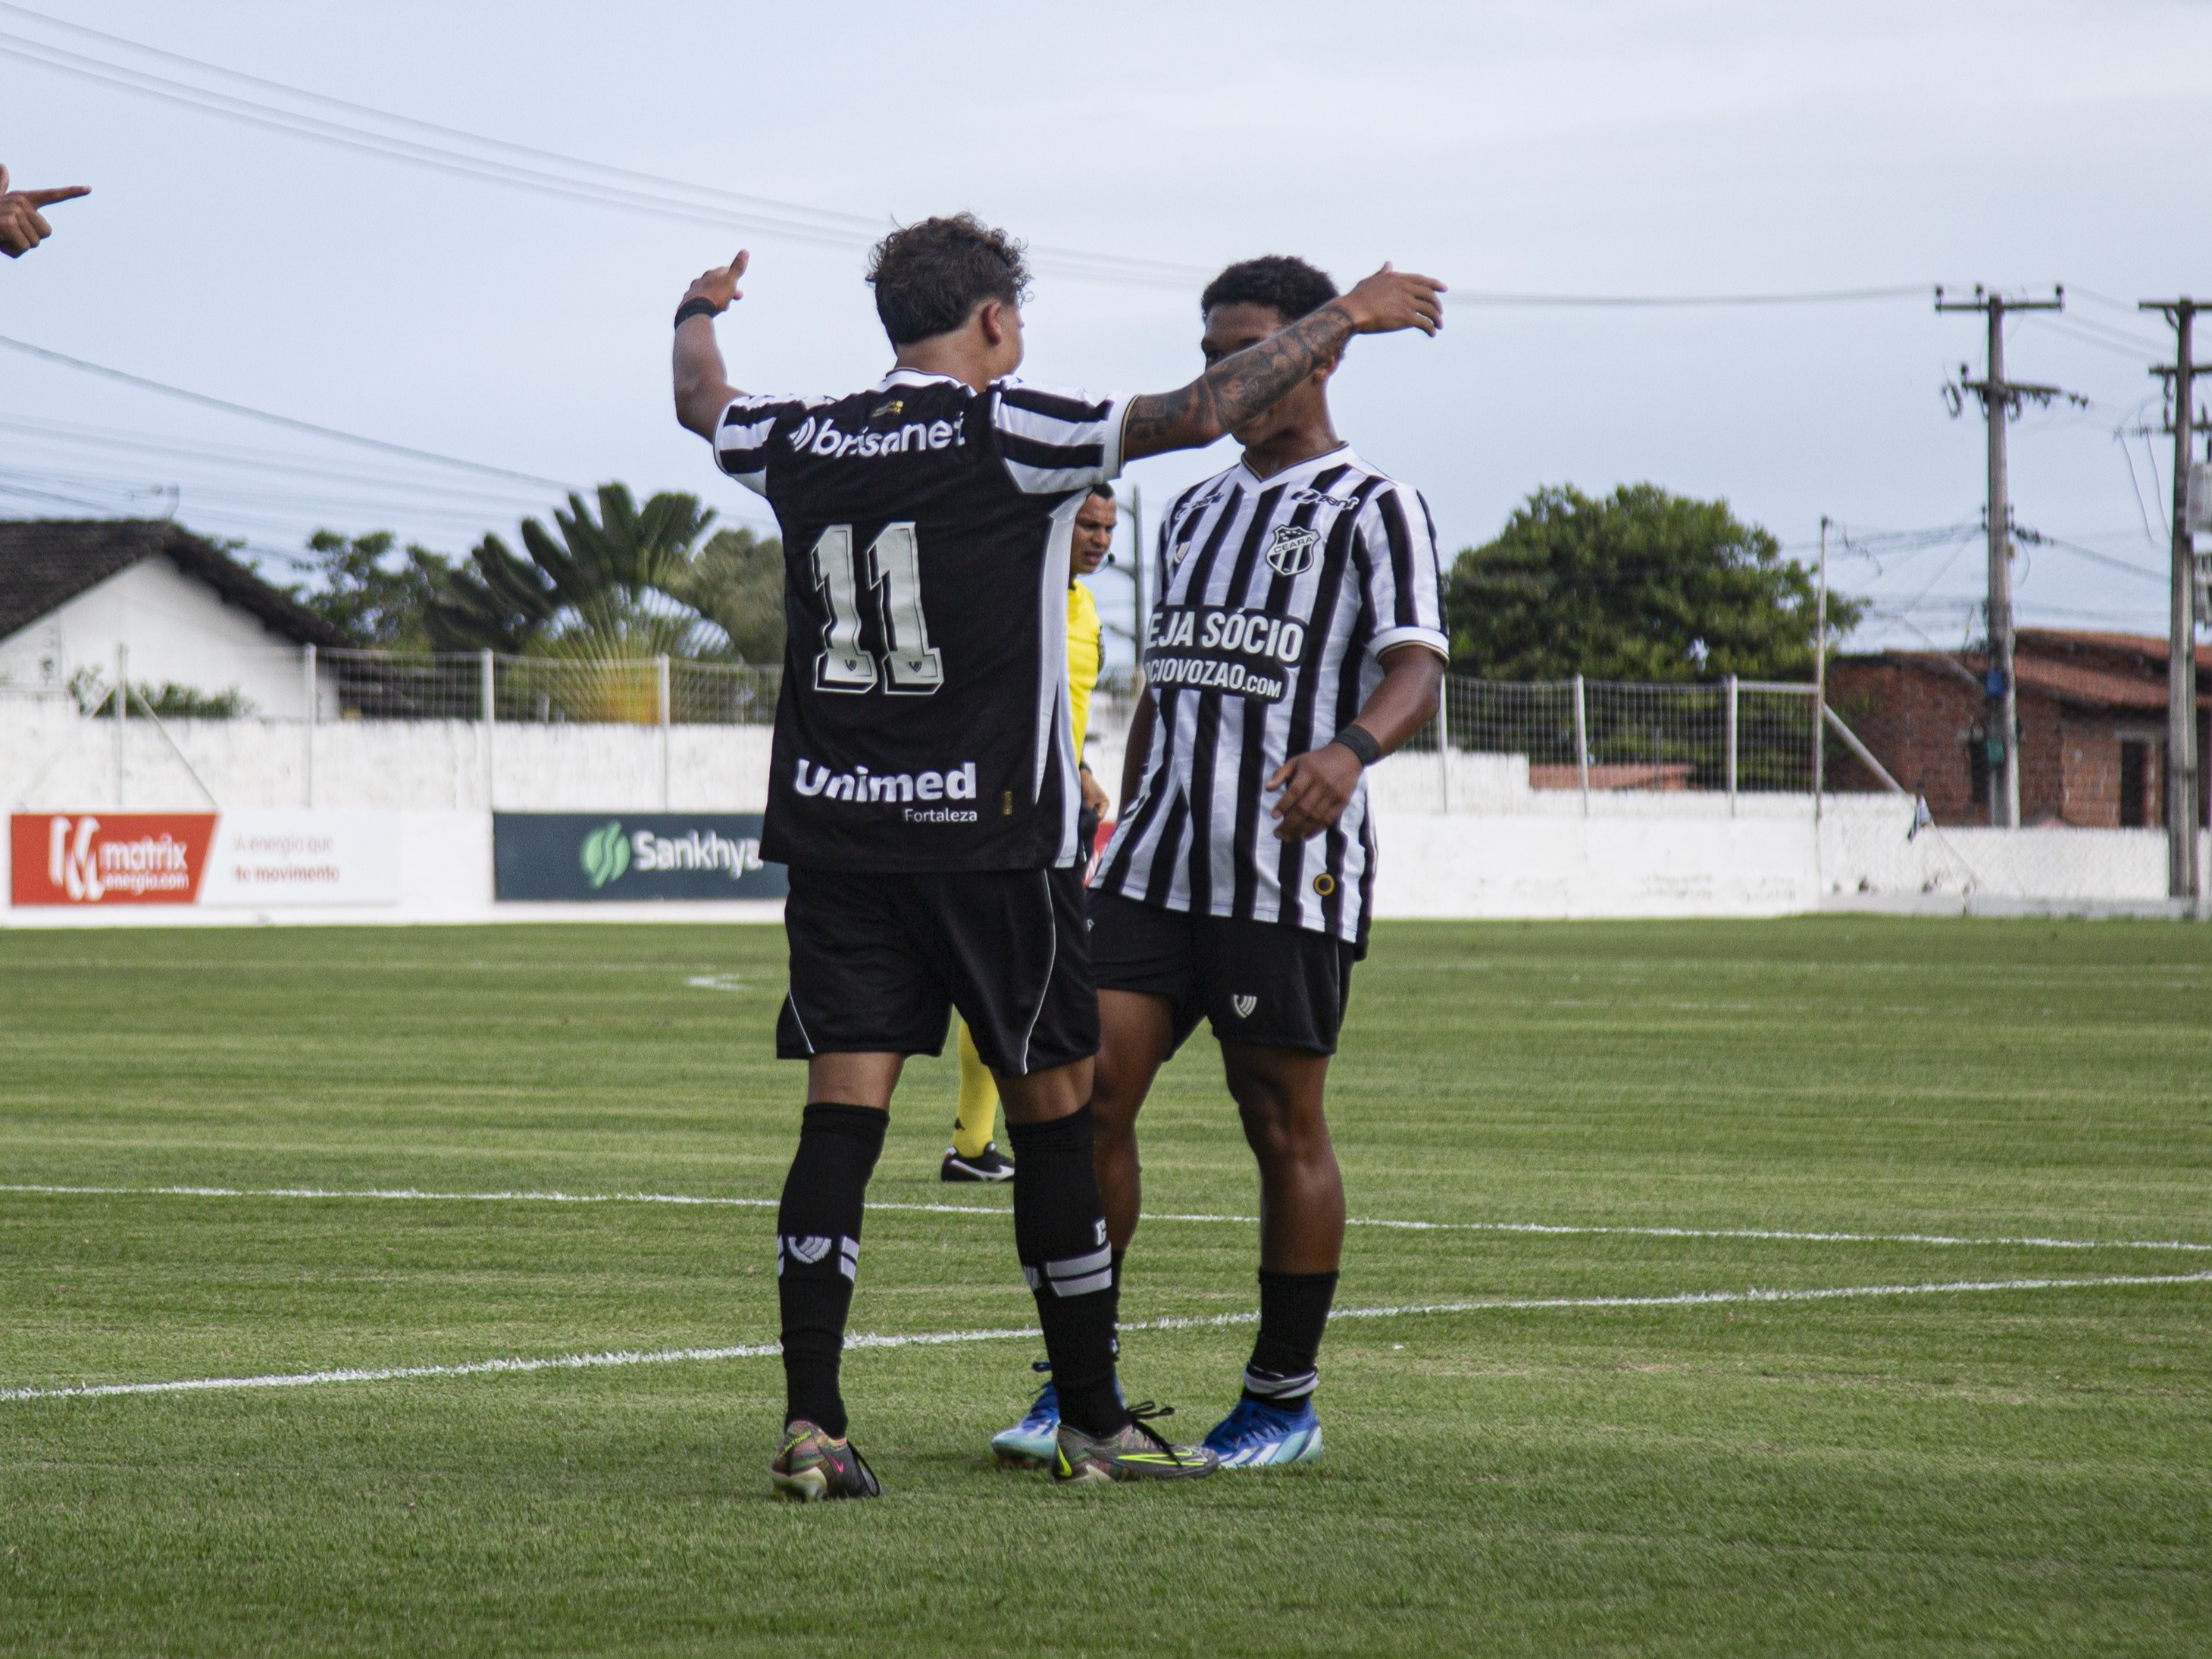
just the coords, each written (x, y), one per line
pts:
(1291, 552)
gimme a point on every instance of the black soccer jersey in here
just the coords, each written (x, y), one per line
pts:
(1277, 597)
(923, 721)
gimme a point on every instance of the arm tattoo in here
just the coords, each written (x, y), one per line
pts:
(1236, 388)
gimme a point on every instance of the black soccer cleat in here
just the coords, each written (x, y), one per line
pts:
(812, 1466)
(990, 1165)
(1136, 1451)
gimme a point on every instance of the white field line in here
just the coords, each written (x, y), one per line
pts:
(1179, 1322)
(1562, 1229)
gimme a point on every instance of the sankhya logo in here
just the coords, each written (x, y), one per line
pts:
(605, 855)
(606, 852)
(1291, 551)
(810, 1250)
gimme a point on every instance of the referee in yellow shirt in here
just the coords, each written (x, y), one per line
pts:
(974, 1155)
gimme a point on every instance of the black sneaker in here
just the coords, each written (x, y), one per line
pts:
(989, 1164)
(1134, 1452)
(812, 1467)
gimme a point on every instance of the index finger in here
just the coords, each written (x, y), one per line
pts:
(38, 198)
(737, 265)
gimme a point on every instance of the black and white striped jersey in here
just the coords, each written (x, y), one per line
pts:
(923, 721)
(1277, 599)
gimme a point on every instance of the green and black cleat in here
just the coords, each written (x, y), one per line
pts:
(1136, 1451)
(812, 1466)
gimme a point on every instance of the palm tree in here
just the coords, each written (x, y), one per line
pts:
(610, 578)
(597, 603)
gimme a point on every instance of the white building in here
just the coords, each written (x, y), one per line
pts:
(79, 594)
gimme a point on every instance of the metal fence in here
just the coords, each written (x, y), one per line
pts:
(1728, 735)
(1577, 734)
(1733, 735)
(484, 685)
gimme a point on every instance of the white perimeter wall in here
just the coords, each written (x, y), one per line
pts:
(1501, 850)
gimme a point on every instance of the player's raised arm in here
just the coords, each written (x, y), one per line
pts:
(703, 386)
(1254, 381)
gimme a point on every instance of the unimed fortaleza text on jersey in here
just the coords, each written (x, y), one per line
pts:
(1277, 599)
(923, 721)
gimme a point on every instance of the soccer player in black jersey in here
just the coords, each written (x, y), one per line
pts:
(924, 790)
(1298, 638)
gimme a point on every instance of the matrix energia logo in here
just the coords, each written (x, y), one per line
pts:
(605, 853)
(109, 857)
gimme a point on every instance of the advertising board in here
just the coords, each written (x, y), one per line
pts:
(626, 856)
(253, 860)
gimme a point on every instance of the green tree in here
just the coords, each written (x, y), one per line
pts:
(603, 583)
(358, 589)
(736, 583)
(1640, 584)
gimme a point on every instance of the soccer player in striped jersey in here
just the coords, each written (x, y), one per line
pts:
(1297, 639)
(974, 1155)
(923, 788)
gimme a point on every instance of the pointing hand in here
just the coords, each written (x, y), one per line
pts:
(719, 287)
(22, 226)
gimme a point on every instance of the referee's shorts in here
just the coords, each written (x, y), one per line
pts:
(1272, 984)
(878, 962)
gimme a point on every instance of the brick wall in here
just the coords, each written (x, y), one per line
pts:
(1920, 719)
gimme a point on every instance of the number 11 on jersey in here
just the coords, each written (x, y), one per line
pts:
(912, 667)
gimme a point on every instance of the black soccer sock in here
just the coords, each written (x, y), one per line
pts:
(818, 1251)
(1060, 1233)
(1118, 1254)
(1293, 1313)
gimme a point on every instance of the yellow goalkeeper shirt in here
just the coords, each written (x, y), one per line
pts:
(1085, 648)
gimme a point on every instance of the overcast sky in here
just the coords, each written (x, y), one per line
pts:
(1593, 148)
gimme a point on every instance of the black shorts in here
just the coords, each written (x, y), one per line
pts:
(1273, 984)
(878, 962)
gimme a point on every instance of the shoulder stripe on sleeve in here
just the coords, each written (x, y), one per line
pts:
(1054, 441)
(1068, 406)
(741, 435)
(1405, 578)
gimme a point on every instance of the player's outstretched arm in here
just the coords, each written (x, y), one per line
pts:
(22, 226)
(1259, 377)
(702, 385)
(1317, 785)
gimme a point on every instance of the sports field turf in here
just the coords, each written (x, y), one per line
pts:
(1998, 1471)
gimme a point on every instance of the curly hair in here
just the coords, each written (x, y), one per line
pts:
(1288, 286)
(930, 277)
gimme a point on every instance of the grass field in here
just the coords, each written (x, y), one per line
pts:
(1987, 1471)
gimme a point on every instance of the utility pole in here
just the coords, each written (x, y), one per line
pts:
(2183, 878)
(2001, 402)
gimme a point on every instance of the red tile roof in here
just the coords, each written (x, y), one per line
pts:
(2121, 672)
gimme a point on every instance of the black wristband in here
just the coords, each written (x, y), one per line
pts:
(1361, 742)
(691, 308)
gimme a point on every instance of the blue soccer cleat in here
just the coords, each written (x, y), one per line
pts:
(1256, 1436)
(1032, 1443)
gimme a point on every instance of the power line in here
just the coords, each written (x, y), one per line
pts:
(871, 227)
(856, 233)
(287, 420)
(756, 213)
(1827, 296)
(2038, 539)
(2079, 329)
(110, 439)
(853, 221)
